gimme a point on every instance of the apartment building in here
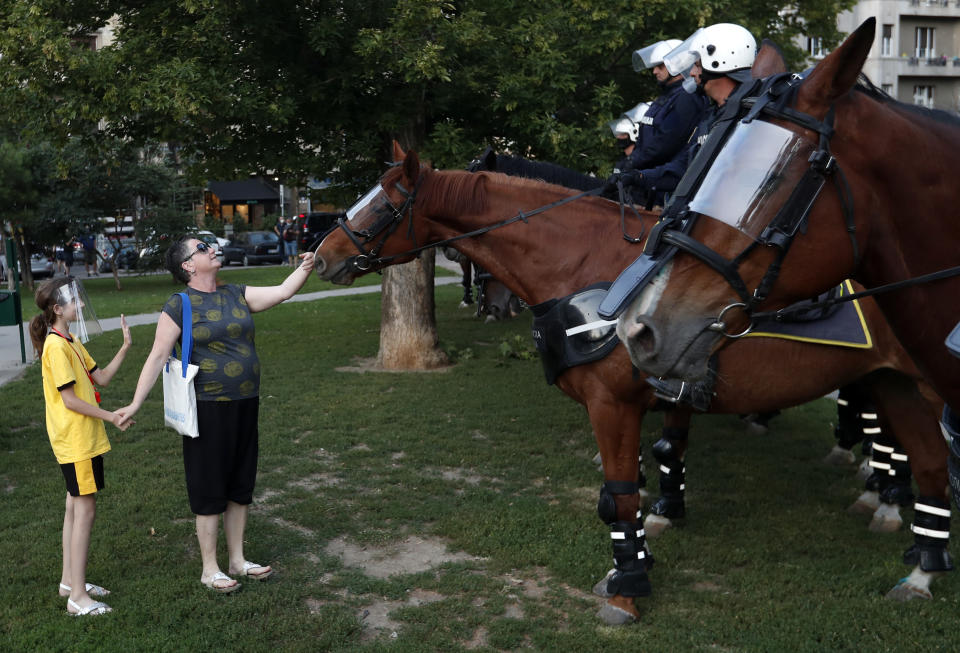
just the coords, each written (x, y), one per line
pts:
(916, 53)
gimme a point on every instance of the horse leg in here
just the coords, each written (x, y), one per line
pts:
(893, 488)
(847, 431)
(616, 426)
(861, 411)
(466, 265)
(913, 421)
(669, 451)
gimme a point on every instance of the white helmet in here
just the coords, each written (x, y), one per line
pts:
(629, 122)
(653, 55)
(725, 47)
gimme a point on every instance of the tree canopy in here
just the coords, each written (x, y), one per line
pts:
(320, 87)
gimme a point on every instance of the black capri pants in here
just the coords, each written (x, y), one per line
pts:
(221, 465)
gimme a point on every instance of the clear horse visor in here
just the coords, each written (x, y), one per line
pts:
(364, 201)
(680, 60)
(748, 173)
(85, 324)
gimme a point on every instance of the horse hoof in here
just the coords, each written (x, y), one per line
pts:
(864, 470)
(644, 498)
(465, 304)
(866, 504)
(615, 616)
(884, 524)
(756, 429)
(654, 525)
(489, 319)
(839, 457)
(600, 589)
(904, 592)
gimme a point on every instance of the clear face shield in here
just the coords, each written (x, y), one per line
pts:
(648, 57)
(72, 297)
(681, 59)
(748, 173)
(364, 201)
(624, 126)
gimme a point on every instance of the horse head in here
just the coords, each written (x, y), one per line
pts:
(762, 188)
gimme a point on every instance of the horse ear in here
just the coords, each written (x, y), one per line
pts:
(838, 71)
(411, 167)
(489, 158)
(769, 60)
(398, 152)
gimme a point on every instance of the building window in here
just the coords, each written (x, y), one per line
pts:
(887, 88)
(815, 47)
(923, 96)
(886, 38)
(925, 43)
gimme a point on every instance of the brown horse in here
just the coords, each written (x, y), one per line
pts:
(571, 246)
(885, 214)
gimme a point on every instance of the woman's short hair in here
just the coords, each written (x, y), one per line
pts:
(175, 256)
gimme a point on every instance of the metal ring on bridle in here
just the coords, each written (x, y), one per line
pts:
(721, 326)
(362, 262)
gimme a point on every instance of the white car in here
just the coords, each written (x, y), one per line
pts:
(212, 239)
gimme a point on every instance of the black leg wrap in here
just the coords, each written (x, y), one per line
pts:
(607, 505)
(950, 424)
(670, 504)
(893, 470)
(629, 559)
(931, 535)
(856, 418)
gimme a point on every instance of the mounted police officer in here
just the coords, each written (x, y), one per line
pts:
(664, 128)
(626, 129)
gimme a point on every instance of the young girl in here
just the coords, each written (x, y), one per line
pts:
(75, 426)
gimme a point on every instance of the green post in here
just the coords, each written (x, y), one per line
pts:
(14, 268)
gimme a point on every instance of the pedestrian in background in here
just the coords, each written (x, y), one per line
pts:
(290, 241)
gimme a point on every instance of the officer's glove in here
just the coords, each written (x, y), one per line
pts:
(628, 178)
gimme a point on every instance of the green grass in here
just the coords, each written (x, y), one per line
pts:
(484, 457)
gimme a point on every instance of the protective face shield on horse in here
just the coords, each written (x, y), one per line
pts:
(73, 298)
(747, 173)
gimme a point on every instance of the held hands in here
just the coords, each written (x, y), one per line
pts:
(124, 417)
(121, 421)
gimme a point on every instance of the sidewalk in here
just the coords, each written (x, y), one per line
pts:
(11, 368)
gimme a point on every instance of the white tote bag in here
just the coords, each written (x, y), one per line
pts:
(179, 396)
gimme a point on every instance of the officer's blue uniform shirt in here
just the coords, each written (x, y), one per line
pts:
(666, 126)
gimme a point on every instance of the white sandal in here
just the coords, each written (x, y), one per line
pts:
(93, 590)
(222, 589)
(94, 608)
(247, 566)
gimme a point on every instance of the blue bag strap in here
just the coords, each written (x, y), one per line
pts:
(186, 337)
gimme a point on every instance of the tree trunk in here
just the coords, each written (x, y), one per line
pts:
(408, 325)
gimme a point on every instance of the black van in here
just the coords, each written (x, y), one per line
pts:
(314, 226)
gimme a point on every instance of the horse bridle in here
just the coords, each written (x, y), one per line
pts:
(671, 235)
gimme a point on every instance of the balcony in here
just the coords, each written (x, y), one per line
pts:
(941, 66)
(940, 8)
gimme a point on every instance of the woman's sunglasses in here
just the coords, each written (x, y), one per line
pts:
(201, 247)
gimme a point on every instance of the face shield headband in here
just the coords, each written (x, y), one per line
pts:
(701, 189)
(72, 297)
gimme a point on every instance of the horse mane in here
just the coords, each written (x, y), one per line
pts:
(552, 173)
(868, 88)
(461, 192)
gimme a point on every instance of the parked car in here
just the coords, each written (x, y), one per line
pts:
(252, 247)
(127, 258)
(314, 226)
(41, 267)
(211, 238)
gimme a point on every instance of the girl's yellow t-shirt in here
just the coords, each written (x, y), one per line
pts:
(73, 436)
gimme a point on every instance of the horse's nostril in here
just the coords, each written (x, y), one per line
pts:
(319, 265)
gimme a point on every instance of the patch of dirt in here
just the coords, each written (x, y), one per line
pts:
(461, 475)
(267, 496)
(412, 555)
(303, 530)
(706, 586)
(513, 611)
(376, 617)
(364, 365)
(479, 639)
(315, 481)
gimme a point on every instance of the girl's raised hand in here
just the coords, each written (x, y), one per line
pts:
(127, 339)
